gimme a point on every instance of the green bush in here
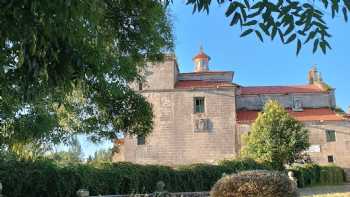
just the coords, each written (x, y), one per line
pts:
(44, 178)
(312, 174)
(255, 183)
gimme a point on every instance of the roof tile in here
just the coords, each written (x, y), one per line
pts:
(252, 90)
(188, 84)
(320, 114)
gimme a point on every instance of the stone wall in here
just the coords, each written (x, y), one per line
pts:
(208, 76)
(161, 75)
(174, 139)
(309, 100)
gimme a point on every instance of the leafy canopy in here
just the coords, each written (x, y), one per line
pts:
(294, 21)
(65, 66)
(275, 137)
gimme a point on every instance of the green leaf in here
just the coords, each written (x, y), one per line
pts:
(315, 45)
(246, 2)
(281, 35)
(347, 4)
(325, 3)
(235, 19)
(259, 4)
(311, 36)
(298, 46)
(323, 47)
(247, 32)
(273, 32)
(291, 38)
(233, 6)
(327, 44)
(345, 13)
(243, 11)
(258, 34)
(264, 28)
(289, 29)
(254, 14)
(251, 23)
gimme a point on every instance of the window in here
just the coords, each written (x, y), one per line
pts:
(297, 104)
(199, 105)
(141, 140)
(330, 159)
(140, 86)
(330, 135)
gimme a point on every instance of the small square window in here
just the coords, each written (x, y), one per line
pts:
(297, 104)
(330, 159)
(141, 140)
(199, 105)
(330, 136)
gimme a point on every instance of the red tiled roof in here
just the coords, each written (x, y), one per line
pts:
(207, 72)
(188, 84)
(321, 114)
(281, 89)
(201, 55)
(119, 141)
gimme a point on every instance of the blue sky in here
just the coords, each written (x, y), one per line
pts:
(254, 63)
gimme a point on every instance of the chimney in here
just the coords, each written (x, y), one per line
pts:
(313, 75)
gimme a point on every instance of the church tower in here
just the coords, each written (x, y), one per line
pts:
(201, 61)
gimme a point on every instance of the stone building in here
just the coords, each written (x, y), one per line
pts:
(199, 117)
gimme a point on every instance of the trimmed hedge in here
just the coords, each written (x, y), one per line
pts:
(44, 178)
(255, 183)
(312, 174)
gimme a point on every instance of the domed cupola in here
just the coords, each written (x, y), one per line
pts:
(201, 61)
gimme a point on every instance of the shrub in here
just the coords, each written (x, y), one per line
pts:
(255, 183)
(275, 137)
(312, 174)
(44, 178)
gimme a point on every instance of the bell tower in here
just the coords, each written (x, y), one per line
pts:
(201, 61)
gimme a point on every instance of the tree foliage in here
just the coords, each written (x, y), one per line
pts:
(293, 21)
(276, 137)
(74, 155)
(65, 67)
(101, 156)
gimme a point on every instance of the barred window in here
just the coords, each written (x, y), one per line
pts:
(199, 105)
(141, 140)
(330, 136)
(330, 159)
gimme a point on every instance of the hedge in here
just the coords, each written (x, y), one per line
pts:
(312, 174)
(44, 178)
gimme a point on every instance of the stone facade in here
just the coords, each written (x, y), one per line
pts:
(183, 135)
(175, 139)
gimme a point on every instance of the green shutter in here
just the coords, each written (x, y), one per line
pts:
(330, 135)
(199, 105)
